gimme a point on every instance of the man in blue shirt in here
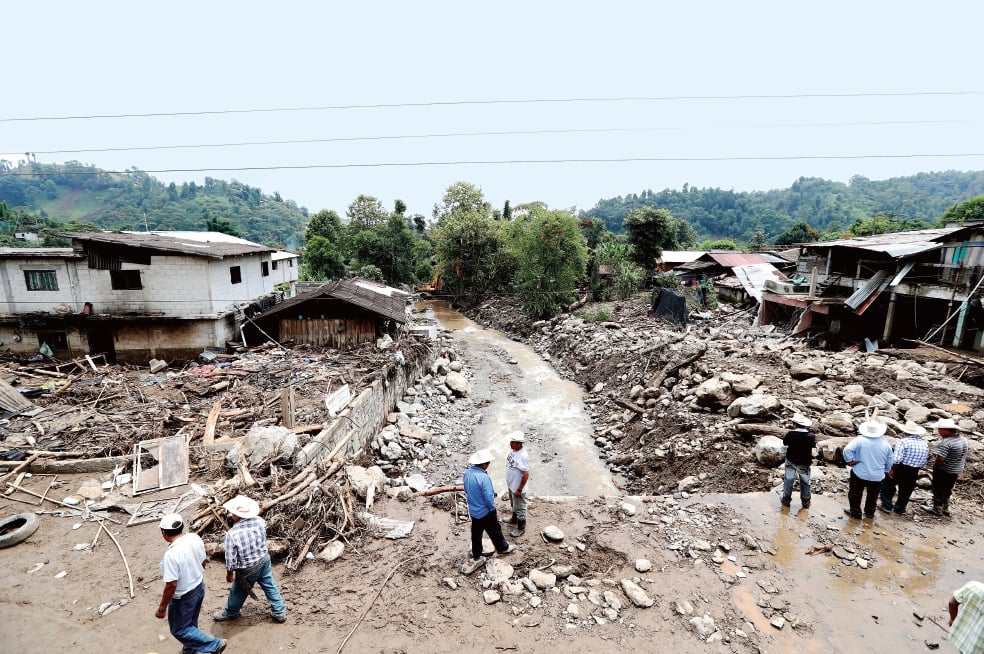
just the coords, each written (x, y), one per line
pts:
(481, 508)
(870, 458)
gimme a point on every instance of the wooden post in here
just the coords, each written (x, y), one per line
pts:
(287, 407)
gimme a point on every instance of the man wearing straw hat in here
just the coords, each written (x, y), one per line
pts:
(248, 561)
(481, 507)
(951, 455)
(517, 475)
(799, 443)
(910, 455)
(870, 458)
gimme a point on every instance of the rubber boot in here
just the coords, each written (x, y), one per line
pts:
(519, 530)
(945, 509)
(512, 519)
(933, 510)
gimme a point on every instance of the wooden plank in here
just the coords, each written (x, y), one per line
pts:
(213, 417)
(287, 407)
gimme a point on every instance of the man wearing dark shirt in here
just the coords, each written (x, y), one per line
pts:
(799, 454)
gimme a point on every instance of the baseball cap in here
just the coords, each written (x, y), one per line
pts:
(172, 521)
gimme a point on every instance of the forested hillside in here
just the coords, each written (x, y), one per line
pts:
(75, 192)
(825, 205)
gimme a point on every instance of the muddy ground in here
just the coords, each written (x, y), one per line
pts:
(740, 560)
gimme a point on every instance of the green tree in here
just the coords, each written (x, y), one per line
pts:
(551, 254)
(326, 224)
(462, 197)
(650, 231)
(506, 211)
(970, 210)
(321, 260)
(469, 249)
(391, 248)
(372, 273)
(366, 212)
(798, 233)
(222, 226)
(719, 244)
(758, 241)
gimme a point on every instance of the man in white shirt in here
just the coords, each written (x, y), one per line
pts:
(517, 474)
(183, 573)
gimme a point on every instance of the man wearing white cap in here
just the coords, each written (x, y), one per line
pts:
(183, 573)
(481, 507)
(248, 561)
(870, 458)
(517, 474)
(799, 444)
(910, 455)
(951, 455)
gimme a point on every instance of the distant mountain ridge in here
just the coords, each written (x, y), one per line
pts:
(825, 205)
(75, 192)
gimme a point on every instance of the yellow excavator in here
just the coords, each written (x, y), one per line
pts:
(435, 285)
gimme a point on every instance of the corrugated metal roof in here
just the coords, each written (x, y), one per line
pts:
(732, 259)
(214, 245)
(752, 277)
(896, 245)
(681, 256)
(385, 300)
(867, 289)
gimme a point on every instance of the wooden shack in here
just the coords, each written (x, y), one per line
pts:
(341, 315)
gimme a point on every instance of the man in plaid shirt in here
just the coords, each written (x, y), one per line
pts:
(910, 455)
(967, 618)
(248, 561)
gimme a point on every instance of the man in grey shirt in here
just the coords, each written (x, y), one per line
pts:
(951, 454)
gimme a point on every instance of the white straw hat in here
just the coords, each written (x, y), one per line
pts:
(946, 423)
(801, 420)
(242, 507)
(911, 427)
(872, 428)
(480, 457)
(516, 437)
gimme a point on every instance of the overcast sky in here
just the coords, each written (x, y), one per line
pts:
(873, 84)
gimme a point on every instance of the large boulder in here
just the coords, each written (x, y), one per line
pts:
(805, 369)
(838, 421)
(755, 405)
(832, 449)
(262, 446)
(713, 393)
(770, 451)
(361, 478)
(460, 386)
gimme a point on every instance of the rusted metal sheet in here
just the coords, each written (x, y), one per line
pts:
(337, 333)
(11, 400)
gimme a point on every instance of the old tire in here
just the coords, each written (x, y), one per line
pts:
(17, 528)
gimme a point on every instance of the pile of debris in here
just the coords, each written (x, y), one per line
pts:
(684, 408)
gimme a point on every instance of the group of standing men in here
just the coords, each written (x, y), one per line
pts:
(480, 495)
(247, 560)
(878, 471)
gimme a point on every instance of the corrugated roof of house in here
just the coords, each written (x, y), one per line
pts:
(385, 300)
(681, 256)
(895, 244)
(730, 259)
(214, 245)
(62, 253)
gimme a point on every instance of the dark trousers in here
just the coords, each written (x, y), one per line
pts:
(943, 486)
(856, 489)
(182, 618)
(488, 524)
(903, 479)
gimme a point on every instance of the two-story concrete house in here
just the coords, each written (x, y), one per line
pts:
(134, 296)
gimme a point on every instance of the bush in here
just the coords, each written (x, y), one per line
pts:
(600, 314)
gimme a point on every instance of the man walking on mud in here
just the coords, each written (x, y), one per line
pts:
(183, 573)
(517, 474)
(870, 459)
(247, 560)
(481, 507)
(951, 455)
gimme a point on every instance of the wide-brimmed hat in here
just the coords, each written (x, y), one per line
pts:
(172, 521)
(911, 427)
(480, 457)
(872, 428)
(516, 437)
(242, 507)
(801, 420)
(946, 423)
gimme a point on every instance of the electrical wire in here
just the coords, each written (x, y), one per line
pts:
(500, 162)
(533, 132)
(456, 103)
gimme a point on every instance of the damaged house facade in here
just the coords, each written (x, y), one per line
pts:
(135, 296)
(887, 288)
(340, 315)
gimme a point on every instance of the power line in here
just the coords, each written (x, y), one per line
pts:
(599, 130)
(413, 164)
(454, 103)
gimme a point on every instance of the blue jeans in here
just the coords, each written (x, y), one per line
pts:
(182, 618)
(262, 574)
(792, 472)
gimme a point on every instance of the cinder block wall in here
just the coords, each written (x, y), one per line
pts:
(366, 414)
